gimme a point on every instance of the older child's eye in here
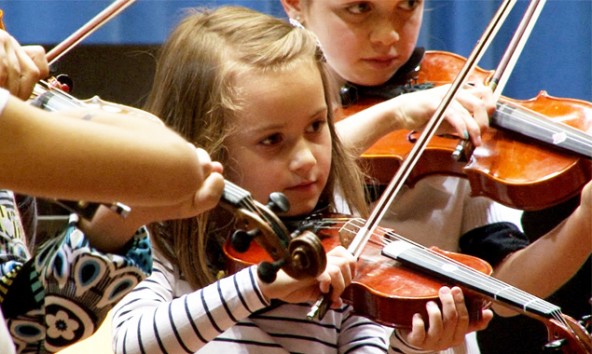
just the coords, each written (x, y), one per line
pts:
(271, 140)
(410, 4)
(359, 8)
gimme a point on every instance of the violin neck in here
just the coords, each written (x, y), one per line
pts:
(457, 273)
(539, 127)
(53, 99)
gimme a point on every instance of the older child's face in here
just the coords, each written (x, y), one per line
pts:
(365, 42)
(282, 142)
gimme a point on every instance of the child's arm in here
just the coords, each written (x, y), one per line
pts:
(151, 312)
(546, 264)
(467, 114)
(152, 315)
(98, 157)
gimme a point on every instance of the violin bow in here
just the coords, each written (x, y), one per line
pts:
(362, 237)
(397, 182)
(515, 47)
(95, 23)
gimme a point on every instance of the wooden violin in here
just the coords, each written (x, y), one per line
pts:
(528, 173)
(392, 281)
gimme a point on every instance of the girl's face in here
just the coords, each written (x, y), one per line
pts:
(365, 42)
(281, 140)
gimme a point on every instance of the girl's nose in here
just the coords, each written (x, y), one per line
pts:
(303, 158)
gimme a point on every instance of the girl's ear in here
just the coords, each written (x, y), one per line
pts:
(292, 8)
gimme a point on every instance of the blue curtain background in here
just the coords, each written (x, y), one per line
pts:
(557, 57)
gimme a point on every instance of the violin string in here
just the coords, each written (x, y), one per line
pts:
(536, 119)
(582, 141)
(244, 197)
(352, 225)
(471, 274)
(58, 100)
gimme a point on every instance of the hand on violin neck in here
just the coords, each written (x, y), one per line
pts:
(337, 275)
(446, 326)
(469, 112)
(21, 67)
(466, 115)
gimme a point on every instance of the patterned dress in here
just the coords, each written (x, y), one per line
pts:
(60, 293)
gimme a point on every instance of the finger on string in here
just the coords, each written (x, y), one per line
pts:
(462, 322)
(12, 68)
(29, 74)
(436, 327)
(457, 118)
(476, 117)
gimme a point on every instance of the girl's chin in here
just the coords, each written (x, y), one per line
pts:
(303, 209)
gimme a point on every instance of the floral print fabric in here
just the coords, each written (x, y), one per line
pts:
(62, 292)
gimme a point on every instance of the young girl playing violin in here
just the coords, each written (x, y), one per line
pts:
(371, 45)
(251, 89)
(57, 293)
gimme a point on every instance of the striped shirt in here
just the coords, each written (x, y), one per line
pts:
(163, 315)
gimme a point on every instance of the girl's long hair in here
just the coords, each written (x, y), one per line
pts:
(193, 93)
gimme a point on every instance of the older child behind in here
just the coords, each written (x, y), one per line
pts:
(251, 90)
(371, 45)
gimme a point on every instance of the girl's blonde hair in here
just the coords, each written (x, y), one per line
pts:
(193, 92)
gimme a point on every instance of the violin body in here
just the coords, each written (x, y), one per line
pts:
(391, 292)
(383, 290)
(514, 170)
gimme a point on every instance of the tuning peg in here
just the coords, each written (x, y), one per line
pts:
(241, 239)
(267, 271)
(278, 203)
(555, 346)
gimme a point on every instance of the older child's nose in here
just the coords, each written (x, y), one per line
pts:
(384, 33)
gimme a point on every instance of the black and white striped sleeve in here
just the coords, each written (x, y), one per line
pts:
(152, 320)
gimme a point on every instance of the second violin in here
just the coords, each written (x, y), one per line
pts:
(513, 169)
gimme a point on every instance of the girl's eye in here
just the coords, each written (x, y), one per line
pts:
(316, 126)
(271, 140)
(359, 8)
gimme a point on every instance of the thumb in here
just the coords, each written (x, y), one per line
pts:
(209, 193)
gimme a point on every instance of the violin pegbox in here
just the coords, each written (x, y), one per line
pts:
(300, 255)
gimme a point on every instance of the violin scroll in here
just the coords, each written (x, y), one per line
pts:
(566, 335)
(300, 255)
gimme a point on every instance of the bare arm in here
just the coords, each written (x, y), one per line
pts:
(549, 262)
(98, 157)
(467, 114)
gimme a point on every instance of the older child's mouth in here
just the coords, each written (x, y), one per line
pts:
(381, 62)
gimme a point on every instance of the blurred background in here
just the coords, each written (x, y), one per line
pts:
(117, 63)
